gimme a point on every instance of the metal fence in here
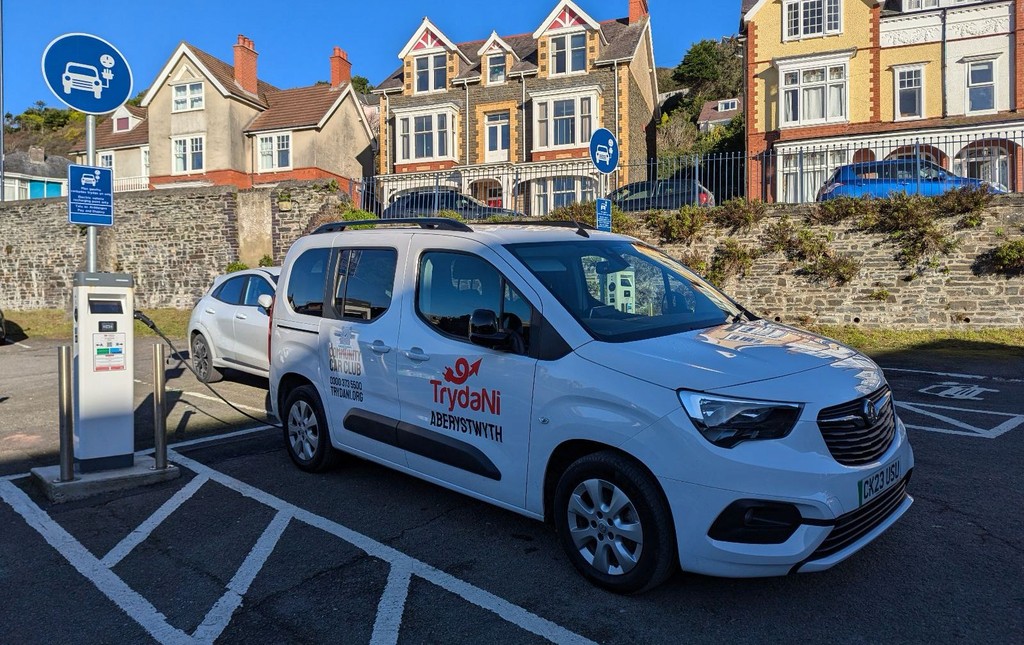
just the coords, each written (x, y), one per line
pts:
(787, 173)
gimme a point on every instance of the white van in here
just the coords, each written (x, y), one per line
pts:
(498, 361)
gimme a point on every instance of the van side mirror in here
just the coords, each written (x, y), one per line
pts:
(485, 330)
(266, 301)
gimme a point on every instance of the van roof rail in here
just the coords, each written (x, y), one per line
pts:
(438, 223)
(548, 222)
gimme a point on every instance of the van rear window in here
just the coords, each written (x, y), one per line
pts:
(306, 282)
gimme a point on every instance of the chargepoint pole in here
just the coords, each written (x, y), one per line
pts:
(90, 160)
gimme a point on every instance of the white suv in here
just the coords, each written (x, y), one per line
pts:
(586, 379)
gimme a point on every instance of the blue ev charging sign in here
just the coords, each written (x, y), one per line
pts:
(87, 73)
(604, 151)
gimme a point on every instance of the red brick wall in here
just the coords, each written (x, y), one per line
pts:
(424, 167)
(554, 155)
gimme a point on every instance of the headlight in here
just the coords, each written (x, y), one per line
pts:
(726, 421)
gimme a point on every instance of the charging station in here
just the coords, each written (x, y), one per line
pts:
(103, 371)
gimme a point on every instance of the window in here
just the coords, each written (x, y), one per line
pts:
(431, 73)
(555, 192)
(187, 96)
(231, 290)
(105, 159)
(814, 95)
(728, 106)
(306, 282)
(496, 69)
(569, 53)
(426, 136)
(453, 285)
(917, 5)
(981, 90)
(497, 136)
(803, 18)
(802, 175)
(188, 154)
(909, 93)
(563, 122)
(275, 151)
(985, 162)
(257, 287)
(121, 124)
(366, 281)
(145, 161)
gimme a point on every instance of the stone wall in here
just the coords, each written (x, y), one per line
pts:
(176, 241)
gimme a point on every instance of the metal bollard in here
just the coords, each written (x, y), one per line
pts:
(65, 413)
(159, 413)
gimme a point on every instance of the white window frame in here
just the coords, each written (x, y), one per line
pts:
(728, 105)
(491, 66)
(896, 71)
(126, 128)
(275, 139)
(827, 29)
(567, 38)
(799, 66)
(405, 128)
(144, 160)
(102, 160)
(493, 120)
(584, 123)
(189, 140)
(993, 61)
(920, 5)
(191, 94)
(431, 57)
(543, 191)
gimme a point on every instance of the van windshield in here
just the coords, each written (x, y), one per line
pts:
(622, 291)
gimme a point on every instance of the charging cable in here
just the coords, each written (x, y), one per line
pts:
(148, 322)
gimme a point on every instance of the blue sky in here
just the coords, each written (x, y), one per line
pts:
(295, 38)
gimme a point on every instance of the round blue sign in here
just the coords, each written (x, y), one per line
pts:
(87, 73)
(604, 150)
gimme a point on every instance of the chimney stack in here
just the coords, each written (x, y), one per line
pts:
(36, 154)
(637, 10)
(341, 68)
(245, 64)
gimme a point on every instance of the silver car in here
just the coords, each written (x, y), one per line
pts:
(228, 328)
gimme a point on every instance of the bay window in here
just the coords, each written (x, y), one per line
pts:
(550, 193)
(806, 18)
(812, 95)
(426, 135)
(563, 121)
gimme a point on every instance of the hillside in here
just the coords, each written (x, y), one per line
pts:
(54, 129)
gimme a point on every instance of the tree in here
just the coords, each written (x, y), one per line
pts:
(361, 84)
(712, 69)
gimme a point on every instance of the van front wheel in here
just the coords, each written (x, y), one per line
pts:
(614, 523)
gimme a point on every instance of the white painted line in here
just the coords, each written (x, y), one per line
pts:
(1012, 421)
(10, 478)
(138, 608)
(953, 374)
(219, 616)
(475, 595)
(218, 437)
(136, 537)
(391, 607)
(213, 398)
(956, 409)
(23, 345)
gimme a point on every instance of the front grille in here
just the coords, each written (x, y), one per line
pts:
(851, 436)
(854, 525)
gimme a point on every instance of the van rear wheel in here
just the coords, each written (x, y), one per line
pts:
(614, 523)
(305, 430)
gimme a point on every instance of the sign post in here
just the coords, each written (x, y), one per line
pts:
(604, 154)
(90, 75)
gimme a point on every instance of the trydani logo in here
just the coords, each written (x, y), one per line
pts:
(463, 370)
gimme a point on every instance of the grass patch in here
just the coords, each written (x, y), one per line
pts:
(1007, 341)
(56, 323)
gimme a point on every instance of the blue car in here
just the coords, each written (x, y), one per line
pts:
(907, 175)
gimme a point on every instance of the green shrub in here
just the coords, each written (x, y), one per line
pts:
(1008, 258)
(586, 213)
(266, 261)
(355, 215)
(237, 265)
(961, 201)
(970, 220)
(738, 214)
(695, 261)
(684, 225)
(450, 215)
(778, 236)
(844, 209)
(909, 223)
(880, 295)
(838, 269)
(730, 258)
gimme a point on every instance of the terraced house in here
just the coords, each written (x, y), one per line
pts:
(830, 82)
(206, 122)
(508, 119)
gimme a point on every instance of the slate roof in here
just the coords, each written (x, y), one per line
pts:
(622, 40)
(225, 75)
(53, 166)
(107, 139)
(296, 108)
(710, 113)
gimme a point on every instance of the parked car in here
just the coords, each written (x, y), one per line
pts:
(591, 381)
(906, 175)
(228, 327)
(661, 194)
(429, 202)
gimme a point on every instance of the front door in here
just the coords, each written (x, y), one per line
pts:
(497, 137)
(358, 356)
(465, 408)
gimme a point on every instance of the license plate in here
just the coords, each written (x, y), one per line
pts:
(877, 483)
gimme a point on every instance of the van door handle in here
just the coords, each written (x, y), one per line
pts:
(416, 354)
(210, 310)
(379, 347)
(240, 316)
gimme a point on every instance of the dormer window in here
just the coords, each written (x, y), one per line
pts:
(431, 73)
(121, 124)
(569, 53)
(496, 69)
(728, 106)
(918, 5)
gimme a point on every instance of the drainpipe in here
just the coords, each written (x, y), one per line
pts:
(388, 168)
(465, 127)
(522, 120)
(942, 69)
(615, 73)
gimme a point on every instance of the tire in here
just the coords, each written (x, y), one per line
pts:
(202, 360)
(305, 430)
(633, 561)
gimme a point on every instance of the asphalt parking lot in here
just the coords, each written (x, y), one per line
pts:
(244, 547)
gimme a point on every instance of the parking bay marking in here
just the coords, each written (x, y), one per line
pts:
(390, 609)
(954, 375)
(966, 429)
(959, 391)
